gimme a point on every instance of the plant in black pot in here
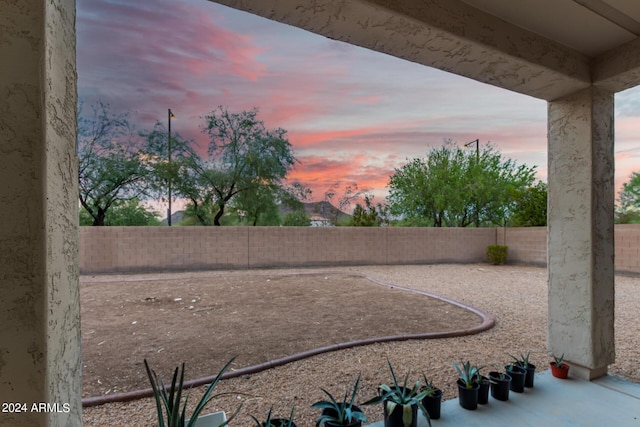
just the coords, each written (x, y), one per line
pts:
(275, 422)
(518, 375)
(400, 403)
(343, 413)
(432, 402)
(483, 390)
(500, 385)
(467, 385)
(170, 408)
(523, 362)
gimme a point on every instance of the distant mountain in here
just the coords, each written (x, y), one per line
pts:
(176, 217)
(319, 210)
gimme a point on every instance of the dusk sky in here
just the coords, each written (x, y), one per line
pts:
(352, 115)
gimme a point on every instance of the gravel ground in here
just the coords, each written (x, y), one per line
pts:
(515, 295)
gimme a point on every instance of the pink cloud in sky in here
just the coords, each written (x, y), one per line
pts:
(352, 115)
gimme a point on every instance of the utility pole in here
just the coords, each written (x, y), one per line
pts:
(476, 213)
(171, 116)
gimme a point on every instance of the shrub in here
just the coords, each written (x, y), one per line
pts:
(497, 254)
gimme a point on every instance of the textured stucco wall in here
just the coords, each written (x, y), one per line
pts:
(580, 223)
(61, 219)
(39, 310)
(22, 251)
(444, 34)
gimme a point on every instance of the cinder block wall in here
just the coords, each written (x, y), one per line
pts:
(136, 249)
(131, 249)
(628, 248)
(527, 245)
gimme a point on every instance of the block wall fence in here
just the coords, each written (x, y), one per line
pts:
(148, 249)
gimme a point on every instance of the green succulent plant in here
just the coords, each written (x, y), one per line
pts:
(269, 421)
(467, 373)
(523, 360)
(429, 387)
(169, 399)
(501, 376)
(558, 360)
(340, 413)
(403, 396)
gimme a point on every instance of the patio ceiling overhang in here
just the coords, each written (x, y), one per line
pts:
(542, 48)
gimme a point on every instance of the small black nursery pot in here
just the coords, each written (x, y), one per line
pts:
(500, 385)
(517, 375)
(468, 397)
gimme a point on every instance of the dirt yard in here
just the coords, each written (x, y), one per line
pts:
(204, 319)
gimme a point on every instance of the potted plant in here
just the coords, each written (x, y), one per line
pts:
(559, 369)
(432, 402)
(275, 422)
(517, 374)
(343, 413)
(170, 403)
(400, 403)
(500, 385)
(523, 361)
(467, 385)
(483, 390)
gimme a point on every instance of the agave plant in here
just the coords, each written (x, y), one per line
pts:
(341, 413)
(170, 403)
(275, 422)
(523, 360)
(478, 375)
(429, 387)
(467, 373)
(403, 396)
(558, 360)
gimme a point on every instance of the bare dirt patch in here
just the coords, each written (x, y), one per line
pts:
(206, 319)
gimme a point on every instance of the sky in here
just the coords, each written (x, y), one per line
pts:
(352, 115)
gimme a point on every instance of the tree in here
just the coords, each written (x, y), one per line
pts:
(530, 207)
(297, 218)
(628, 209)
(110, 166)
(350, 194)
(369, 215)
(124, 212)
(292, 197)
(181, 171)
(257, 206)
(452, 186)
(243, 156)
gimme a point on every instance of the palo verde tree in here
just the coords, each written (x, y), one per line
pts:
(292, 198)
(453, 187)
(369, 215)
(110, 168)
(124, 212)
(628, 209)
(350, 194)
(257, 205)
(263, 205)
(530, 206)
(180, 171)
(243, 157)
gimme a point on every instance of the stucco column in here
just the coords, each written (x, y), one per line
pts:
(580, 231)
(39, 298)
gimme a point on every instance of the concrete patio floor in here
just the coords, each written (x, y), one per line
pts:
(607, 401)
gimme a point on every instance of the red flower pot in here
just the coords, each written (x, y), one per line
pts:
(561, 371)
